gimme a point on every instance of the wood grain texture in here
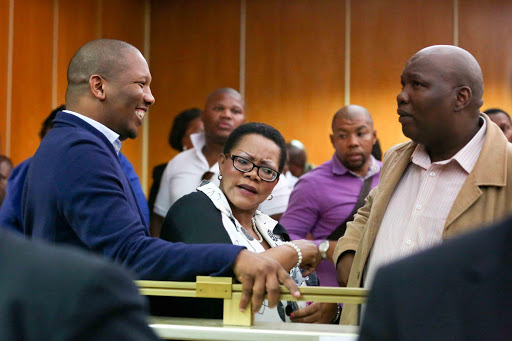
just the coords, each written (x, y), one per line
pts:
(194, 50)
(4, 43)
(486, 32)
(32, 74)
(385, 34)
(76, 27)
(295, 54)
(295, 68)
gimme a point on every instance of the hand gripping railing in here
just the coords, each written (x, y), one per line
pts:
(223, 287)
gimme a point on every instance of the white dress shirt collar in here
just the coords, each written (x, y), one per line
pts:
(111, 135)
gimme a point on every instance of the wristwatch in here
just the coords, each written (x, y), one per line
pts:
(323, 247)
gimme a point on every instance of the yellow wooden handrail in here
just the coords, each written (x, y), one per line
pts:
(222, 287)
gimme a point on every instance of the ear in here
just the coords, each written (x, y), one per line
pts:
(374, 136)
(464, 95)
(221, 161)
(332, 140)
(97, 86)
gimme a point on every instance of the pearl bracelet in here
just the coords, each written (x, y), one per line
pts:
(296, 248)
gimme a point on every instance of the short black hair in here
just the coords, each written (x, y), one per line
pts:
(105, 57)
(494, 111)
(262, 129)
(48, 122)
(180, 126)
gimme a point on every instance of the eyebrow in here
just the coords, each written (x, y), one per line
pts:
(341, 130)
(415, 75)
(266, 163)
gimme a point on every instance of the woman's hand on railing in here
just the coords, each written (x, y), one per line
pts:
(310, 256)
(316, 313)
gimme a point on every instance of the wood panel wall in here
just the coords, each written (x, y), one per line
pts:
(297, 62)
(195, 48)
(4, 56)
(486, 32)
(385, 34)
(75, 28)
(31, 74)
(295, 68)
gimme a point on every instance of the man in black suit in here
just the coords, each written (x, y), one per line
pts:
(461, 290)
(54, 293)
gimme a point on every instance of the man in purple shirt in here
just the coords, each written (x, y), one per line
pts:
(324, 198)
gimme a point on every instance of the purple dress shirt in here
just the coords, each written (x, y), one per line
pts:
(321, 200)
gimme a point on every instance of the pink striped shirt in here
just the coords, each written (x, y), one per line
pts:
(417, 212)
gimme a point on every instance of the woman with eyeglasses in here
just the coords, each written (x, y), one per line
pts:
(253, 158)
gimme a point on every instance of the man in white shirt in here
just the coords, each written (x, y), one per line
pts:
(224, 111)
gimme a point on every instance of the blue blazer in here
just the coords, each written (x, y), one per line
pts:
(10, 211)
(76, 193)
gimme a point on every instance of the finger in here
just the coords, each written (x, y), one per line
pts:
(288, 282)
(313, 316)
(273, 291)
(306, 319)
(310, 309)
(307, 270)
(247, 285)
(258, 293)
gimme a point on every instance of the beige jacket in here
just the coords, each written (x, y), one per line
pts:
(485, 196)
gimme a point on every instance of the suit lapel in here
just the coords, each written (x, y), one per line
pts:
(490, 170)
(468, 195)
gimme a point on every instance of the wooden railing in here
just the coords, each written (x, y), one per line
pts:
(221, 287)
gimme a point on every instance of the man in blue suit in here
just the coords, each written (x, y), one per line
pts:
(76, 192)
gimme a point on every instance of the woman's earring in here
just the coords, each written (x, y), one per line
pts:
(219, 177)
(270, 197)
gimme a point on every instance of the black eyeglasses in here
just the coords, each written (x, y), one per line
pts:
(245, 166)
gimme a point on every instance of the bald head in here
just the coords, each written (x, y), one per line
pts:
(223, 112)
(439, 103)
(224, 91)
(104, 57)
(297, 157)
(352, 112)
(353, 138)
(458, 66)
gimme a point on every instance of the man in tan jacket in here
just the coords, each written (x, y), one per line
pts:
(453, 176)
